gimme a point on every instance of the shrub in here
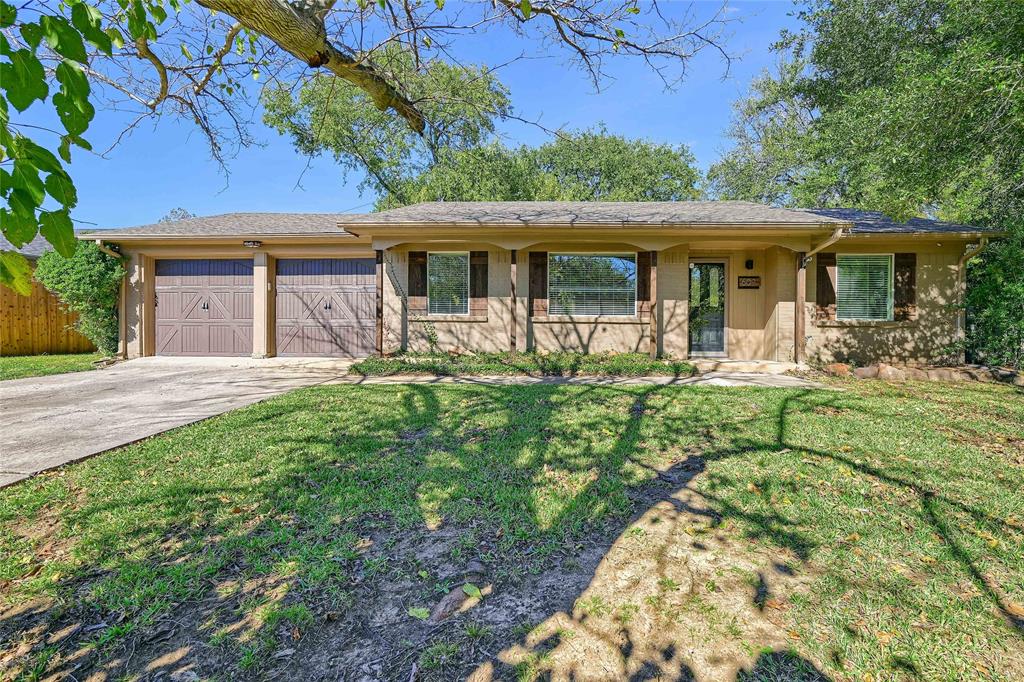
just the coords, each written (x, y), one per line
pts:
(87, 283)
(995, 304)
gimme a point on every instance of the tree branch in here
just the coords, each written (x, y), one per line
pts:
(302, 33)
(218, 56)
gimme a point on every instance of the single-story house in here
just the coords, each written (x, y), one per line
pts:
(37, 323)
(676, 279)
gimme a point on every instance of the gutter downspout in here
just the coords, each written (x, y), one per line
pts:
(838, 234)
(800, 336)
(122, 323)
(961, 274)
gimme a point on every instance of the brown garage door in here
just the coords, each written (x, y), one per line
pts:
(204, 307)
(326, 306)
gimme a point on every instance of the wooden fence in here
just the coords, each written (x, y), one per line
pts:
(30, 325)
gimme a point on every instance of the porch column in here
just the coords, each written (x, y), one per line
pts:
(512, 303)
(380, 302)
(654, 306)
(800, 312)
(263, 305)
(149, 303)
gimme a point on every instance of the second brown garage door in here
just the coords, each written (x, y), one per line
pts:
(204, 307)
(326, 307)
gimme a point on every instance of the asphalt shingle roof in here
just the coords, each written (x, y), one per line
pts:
(875, 222)
(233, 224)
(537, 213)
(34, 249)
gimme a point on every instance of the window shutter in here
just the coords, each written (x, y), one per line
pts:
(643, 284)
(905, 287)
(478, 282)
(826, 286)
(418, 282)
(538, 283)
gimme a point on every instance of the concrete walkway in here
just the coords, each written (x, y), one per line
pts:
(53, 420)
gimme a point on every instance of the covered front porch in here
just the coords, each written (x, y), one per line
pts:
(721, 295)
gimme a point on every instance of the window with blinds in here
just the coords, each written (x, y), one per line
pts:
(591, 284)
(448, 283)
(864, 288)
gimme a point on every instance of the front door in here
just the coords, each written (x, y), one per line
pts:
(707, 308)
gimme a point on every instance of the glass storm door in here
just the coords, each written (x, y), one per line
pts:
(707, 308)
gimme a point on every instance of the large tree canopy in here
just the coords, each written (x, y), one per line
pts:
(150, 58)
(906, 106)
(585, 166)
(911, 107)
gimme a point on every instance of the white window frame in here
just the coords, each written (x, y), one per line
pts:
(636, 279)
(468, 281)
(891, 300)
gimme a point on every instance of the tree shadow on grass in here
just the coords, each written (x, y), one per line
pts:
(307, 529)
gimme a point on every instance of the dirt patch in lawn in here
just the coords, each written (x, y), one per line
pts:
(672, 592)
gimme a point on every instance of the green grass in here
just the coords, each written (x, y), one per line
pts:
(534, 364)
(21, 366)
(901, 503)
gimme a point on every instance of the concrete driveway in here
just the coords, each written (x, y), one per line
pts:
(48, 421)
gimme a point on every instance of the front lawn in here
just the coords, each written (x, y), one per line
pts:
(21, 366)
(561, 364)
(871, 533)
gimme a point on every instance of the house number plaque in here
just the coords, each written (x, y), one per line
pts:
(750, 282)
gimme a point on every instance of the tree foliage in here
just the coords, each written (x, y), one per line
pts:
(177, 213)
(86, 283)
(911, 107)
(585, 166)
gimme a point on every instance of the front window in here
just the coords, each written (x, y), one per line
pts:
(592, 284)
(448, 283)
(864, 287)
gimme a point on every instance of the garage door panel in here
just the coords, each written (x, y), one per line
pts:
(204, 307)
(326, 306)
(353, 305)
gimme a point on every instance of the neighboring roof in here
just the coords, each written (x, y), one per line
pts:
(620, 213)
(875, 222)
(33, 250)
(233, 224)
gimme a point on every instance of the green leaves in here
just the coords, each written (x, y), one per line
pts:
(419, 613)
(23, 79)
(87, 19)
(472, 590)
(37, 190)
(57, 228)
(526, 8)
(62, 37)
(72, 102)
(15, 271)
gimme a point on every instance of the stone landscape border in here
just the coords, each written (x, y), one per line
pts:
(887, 372)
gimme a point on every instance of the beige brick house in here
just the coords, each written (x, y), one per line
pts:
(675, 279)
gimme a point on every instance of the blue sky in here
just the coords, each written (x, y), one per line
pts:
(167, 165)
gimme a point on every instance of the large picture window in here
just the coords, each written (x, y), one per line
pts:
(591, 284)
(448, 283)
(864, 288)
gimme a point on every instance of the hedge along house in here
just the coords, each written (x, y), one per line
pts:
(680, 279)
